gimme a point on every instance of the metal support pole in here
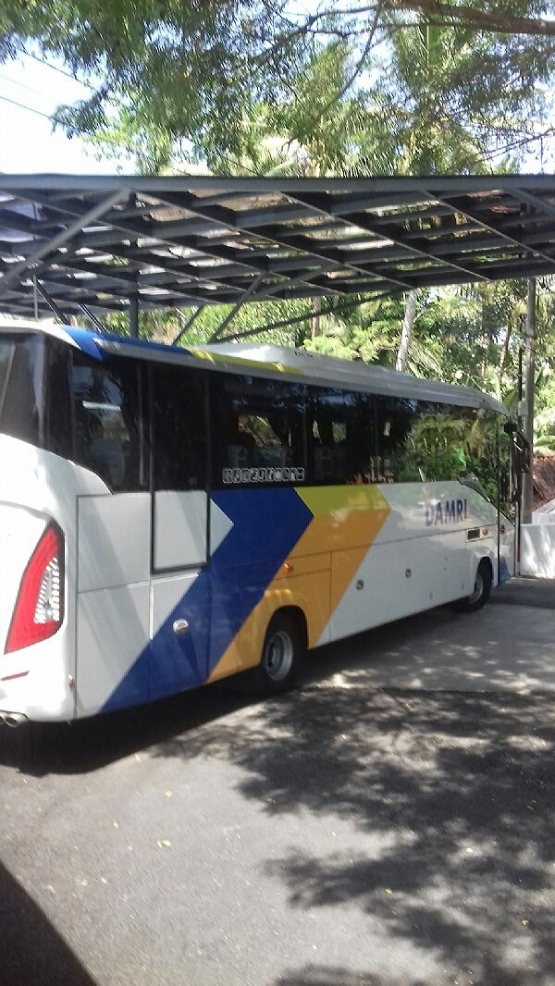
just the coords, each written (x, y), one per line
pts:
(190, 321)
(95, 321)
(406, 333)
(134, 316)
(39, 289)
(223, 325)
(529, 374)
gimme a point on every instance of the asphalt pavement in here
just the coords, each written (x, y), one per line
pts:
(390, 823)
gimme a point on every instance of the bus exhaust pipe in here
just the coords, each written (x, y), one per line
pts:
(14, 719)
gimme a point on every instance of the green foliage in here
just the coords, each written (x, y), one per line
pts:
(434, 449)
(363, 89)
(544, 429)
(441, 446)
(165, 326)
(254, 87)
(369, 332)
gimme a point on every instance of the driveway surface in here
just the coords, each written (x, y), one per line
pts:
(391, 823)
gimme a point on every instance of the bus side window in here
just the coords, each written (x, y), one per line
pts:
(397, 461)
(257, 425)
(35, 402)
(424, 441)
(22, 377)
(179, 428)
(108, 421)
(343, 437)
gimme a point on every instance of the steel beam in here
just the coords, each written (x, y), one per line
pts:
(96, 321)
(463, 208)
(190, 321)
(50, 302)
(60, 239)
(529, 374)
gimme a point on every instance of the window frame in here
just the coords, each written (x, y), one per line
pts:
(150, 388)
(315, 393)
(218, 392)
(111, 365)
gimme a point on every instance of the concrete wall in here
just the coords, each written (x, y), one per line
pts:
(537, 555)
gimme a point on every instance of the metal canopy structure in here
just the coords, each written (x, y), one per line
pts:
(77, 244)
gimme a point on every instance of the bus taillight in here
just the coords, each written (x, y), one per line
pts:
(38, 612)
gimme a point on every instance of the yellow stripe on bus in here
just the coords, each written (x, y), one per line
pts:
(346, 520)
(317, 572)
(252, 364)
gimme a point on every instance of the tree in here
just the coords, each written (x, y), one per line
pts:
(395, 86)
(427, 63)
(193, 70)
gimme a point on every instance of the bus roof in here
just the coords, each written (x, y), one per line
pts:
(296, 365)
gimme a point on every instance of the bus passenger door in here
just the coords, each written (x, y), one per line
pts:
(113, 534)
(180, 583)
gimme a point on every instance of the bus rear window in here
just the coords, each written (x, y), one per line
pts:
(107, 413)
(21, 387)
(6, 353)
(64, 402)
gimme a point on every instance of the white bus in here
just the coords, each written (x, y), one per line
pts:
(169, 517)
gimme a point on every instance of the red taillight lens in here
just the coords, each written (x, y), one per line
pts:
(39, 607)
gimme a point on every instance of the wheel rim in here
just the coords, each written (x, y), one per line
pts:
(478, 589)
(278, 656)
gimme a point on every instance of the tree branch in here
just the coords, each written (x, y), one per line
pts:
(353, 76)
(447, 14)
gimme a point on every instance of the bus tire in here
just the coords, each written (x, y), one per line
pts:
(282, 650)
(481, 593)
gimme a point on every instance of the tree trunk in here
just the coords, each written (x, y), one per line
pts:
(505, 350)
(316, 309)
(408, 322)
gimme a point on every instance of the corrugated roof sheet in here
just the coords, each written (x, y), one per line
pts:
(190, 241)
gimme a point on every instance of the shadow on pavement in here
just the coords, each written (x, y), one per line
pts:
(38, 749)
(32, 953)
(520, 591)
(441, 806)
(420, 645)
(334, 976)
(444, 810)
(324, 976)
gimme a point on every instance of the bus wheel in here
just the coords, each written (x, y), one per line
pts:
(482, 589)
(282, 650)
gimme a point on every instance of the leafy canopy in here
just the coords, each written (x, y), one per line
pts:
(196, 69)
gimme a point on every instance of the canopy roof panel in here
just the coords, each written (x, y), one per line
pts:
(103, 244)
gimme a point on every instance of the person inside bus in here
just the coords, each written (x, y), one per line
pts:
(238, 441)
(322, 443)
